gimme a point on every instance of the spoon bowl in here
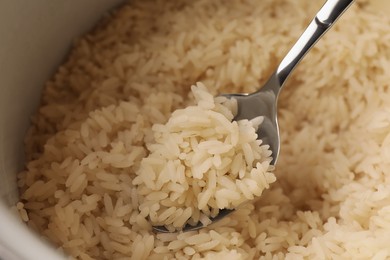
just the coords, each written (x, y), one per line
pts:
(264, 101)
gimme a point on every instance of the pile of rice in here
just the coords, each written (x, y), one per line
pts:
(331, 199)
(202, 161)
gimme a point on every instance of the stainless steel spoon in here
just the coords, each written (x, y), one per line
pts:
(264, 101)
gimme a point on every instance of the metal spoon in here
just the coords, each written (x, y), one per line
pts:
(264, 101)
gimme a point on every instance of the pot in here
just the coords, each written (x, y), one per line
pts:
(35, 38)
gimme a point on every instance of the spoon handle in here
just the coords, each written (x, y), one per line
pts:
(325, 18)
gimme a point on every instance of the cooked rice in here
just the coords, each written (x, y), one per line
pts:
(331, 199)
(201, 161)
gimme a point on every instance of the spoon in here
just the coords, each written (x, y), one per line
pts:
(264, 101)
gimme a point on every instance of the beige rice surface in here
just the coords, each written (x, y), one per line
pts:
(87, 141)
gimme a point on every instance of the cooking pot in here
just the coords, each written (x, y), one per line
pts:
(35, 36)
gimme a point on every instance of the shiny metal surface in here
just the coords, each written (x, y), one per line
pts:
(264, 101)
